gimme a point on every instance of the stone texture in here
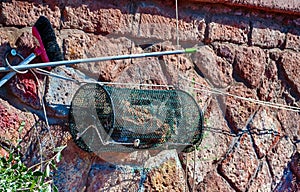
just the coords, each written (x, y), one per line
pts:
(295, 168)
(263, 180)
(60, 92)
(278, 157)
(94, 21)
(108, 177)
(291, 128)
(288, 61)
(216, 140)
(143, 72)
(11, 122)
(214, 68)
(274, 5)
(26, 89)
(87, 46)
(239, 174)
(293, 40)
(265, 130)
(250, 65)
(242, 50)
(157, 172)
(105, 18)
(267, 36)
(239, 111)
(153, 26)
(39, 143)
(73, 167)
(226, 51)
(165, 173)
(214, 182)
(270, 87)
(229, 30)
(25, 13)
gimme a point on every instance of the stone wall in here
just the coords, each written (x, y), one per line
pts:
(246, 49)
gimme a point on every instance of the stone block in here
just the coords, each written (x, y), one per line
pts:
(268, 35)
(278, 158)
(270, 84)
(108, 177)
(293, 41)
(250, 65)
(228, 29)
(226, 51)
(265, 130)
(26, 13)
(74, 166)
(290, 124)
(79, 46)
(164, 173)
(214, 182)
(10, 122)
(263, 180)
(215, 143)
(88, 19)
(290, 59)
(239, 174)
(239, 111)
(214, 68)
(60, 92)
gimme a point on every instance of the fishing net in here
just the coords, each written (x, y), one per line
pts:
(106, 118)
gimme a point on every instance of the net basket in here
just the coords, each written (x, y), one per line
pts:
(106, 118)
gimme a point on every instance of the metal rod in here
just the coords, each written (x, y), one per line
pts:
(12, 73)
(98, 59)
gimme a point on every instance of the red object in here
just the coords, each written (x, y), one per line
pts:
(40, 51)
(25, 86)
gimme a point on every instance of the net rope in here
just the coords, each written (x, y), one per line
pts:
(200, 89)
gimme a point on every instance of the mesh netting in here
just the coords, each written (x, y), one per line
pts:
(105, 118)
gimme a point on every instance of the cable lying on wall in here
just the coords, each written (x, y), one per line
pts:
(256, 101)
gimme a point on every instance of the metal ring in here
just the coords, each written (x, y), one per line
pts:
(14, 53)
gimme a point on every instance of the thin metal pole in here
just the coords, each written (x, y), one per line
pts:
(98, 59)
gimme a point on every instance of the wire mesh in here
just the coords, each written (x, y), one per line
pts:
(106, 118)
